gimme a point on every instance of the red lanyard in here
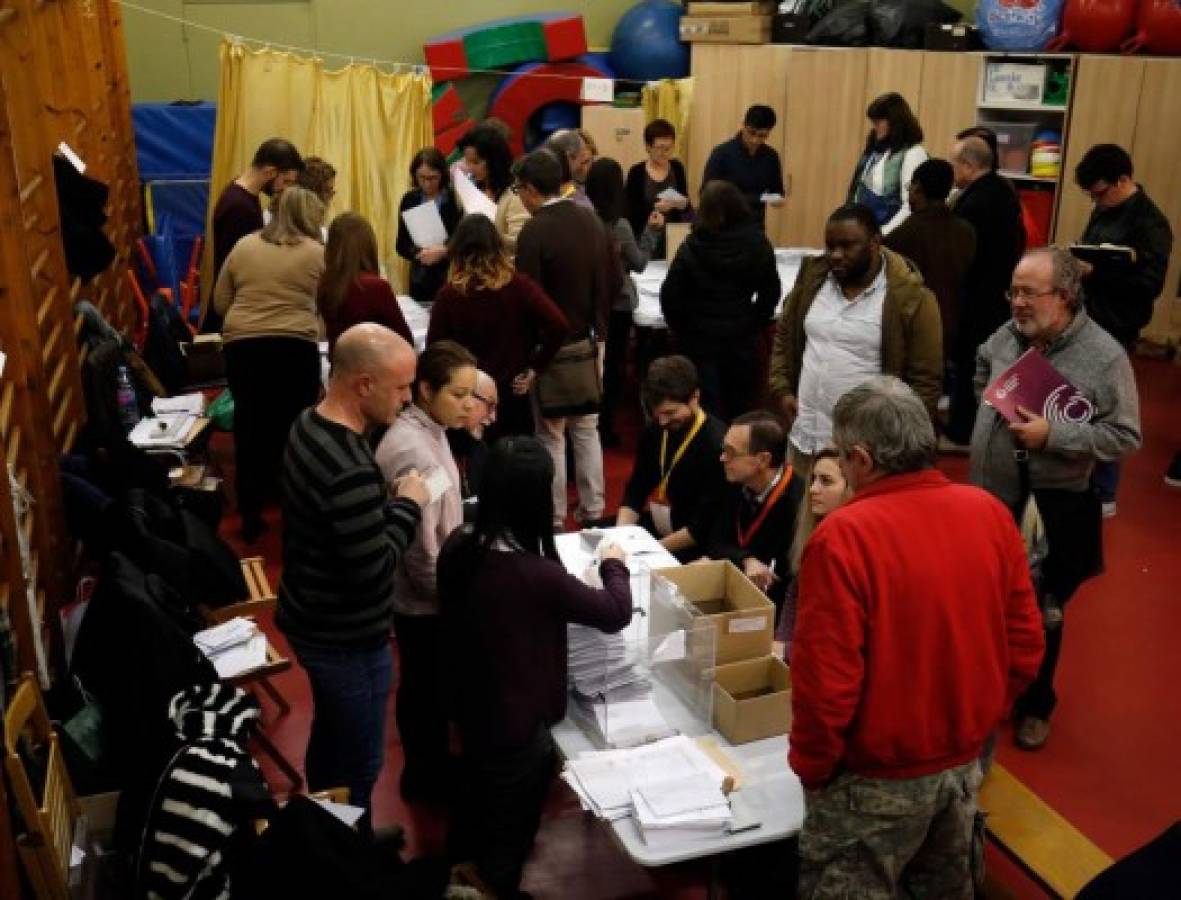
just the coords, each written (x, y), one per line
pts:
(745, 537)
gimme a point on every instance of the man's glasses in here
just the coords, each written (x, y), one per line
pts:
(491, 404)
(1026, 294)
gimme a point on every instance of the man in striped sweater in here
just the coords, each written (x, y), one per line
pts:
(343, 538)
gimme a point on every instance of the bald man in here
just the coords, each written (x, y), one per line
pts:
(343, 538)
(467, 443)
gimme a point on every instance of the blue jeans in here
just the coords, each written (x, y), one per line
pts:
(349, 693)
(1105, 480)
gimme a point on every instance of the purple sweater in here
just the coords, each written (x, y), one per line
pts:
(505, 624)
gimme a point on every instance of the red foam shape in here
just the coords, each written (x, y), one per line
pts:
(446, 59)
(565, 38)
(447, 110)
(523, 95)
(446, 140)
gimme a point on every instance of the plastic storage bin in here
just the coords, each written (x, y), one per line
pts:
(1014, 144)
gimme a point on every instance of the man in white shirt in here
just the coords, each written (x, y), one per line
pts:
(855, 312)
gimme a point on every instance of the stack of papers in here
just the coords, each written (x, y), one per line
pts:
(192, 404)
(168, 431)
(233, 647)
(672, 788)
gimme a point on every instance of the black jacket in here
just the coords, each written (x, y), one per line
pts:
(425, 281)
(722, 287)
(638, 207)
(694, 483)
(991, 207)
(1120, 296)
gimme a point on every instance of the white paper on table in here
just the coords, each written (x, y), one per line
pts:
(425, 225)
(437, 482)
(473, 200)
(192, 404)
(682, 795)
(662, 518)
(343, 811)
(671, 648)
(769, 197)
(672, 196)
(598, 89)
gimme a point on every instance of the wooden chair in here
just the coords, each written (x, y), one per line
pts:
(1051, 850)
(261, 598)
(46, 846)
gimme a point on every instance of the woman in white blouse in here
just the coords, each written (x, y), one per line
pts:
(892, 152)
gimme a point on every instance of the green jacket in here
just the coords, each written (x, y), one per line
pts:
(912, 331)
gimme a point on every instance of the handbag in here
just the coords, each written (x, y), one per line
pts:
(572, 384)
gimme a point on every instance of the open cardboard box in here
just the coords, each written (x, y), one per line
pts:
(752, 699)
(744, 617)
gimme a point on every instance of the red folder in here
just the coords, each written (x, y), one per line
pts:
(1035, 384)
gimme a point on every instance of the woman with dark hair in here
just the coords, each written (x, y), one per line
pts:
(432, 184)
(443, 386)
(647, 180)
(892, 152)
(351, 289)
(604, 188)
(501, 315)
(506, 602)
(488, 160)
(719, 295)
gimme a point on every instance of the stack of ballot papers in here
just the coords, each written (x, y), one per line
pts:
(612, 690)
(233, 647)
(191, 404)
(672, 789)
(169, 430)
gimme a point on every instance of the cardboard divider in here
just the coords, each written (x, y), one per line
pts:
(752, 699)
(720, 592)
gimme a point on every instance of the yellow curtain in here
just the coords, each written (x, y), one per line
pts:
(366, 123)
(671, 99)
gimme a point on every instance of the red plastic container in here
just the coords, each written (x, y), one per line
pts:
(1158, 29)
(1037, 209)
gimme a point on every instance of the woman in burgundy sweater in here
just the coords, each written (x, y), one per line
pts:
(501, 315)
(506, 601)
(351, 289)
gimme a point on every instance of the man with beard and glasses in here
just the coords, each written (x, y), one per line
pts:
(276, 165)
(677, 473)
(857, 311)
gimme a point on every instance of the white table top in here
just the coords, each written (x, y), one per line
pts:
(647, 313)
(771, 793)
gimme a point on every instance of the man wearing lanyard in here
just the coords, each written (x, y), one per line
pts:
(676, 475)
(755, 519)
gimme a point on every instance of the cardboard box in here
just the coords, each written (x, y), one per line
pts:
(744, 617)
(1006, 82)
(674, 235)
(752, 699)
(733, 8)
(726, 29)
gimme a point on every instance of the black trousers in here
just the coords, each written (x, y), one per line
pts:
(273, 380)
(619, 330)
(421, 706)
(498, 811)
(728, 377)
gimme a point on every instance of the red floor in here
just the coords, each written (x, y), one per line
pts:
(1110, 766)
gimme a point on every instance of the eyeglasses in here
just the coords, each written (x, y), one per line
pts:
(731, 453)
(1097, 194)
(491, 404)
(1023, 294)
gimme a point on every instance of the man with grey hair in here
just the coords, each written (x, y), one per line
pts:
(989, 204)
(576, 158)
(917, 627)
(1052, 456)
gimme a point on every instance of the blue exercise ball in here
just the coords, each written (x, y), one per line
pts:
(647, 46)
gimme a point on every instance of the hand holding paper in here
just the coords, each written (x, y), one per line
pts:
(473, 200)
(425, 225)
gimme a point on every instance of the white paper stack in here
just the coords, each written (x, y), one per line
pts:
(169, 431)
(671, 787)
(233, 647)
(191, 404)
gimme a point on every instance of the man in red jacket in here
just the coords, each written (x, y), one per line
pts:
(917, 628)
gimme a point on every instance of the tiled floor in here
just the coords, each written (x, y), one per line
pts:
(1109, 767)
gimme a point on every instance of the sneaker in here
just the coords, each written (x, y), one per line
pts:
(1109, 509)
(1173, 476)
(1032, 733)
(948, 447)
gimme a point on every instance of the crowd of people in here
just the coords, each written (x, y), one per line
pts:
(795, 437)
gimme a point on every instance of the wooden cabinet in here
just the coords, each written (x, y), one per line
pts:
(947, 99)
(618, 133)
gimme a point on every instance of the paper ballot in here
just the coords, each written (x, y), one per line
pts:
(473, 200)
(425, 225)
(769, 197)
(673, 196)
(437, 483)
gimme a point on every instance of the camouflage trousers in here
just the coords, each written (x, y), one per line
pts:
(877, 838)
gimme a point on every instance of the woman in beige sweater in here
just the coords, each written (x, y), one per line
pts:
(266, 292)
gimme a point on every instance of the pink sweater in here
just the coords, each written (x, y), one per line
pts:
(417, 441)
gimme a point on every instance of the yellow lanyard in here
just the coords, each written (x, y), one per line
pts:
(665, 474)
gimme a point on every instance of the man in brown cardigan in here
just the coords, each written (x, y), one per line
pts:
(855, 312)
